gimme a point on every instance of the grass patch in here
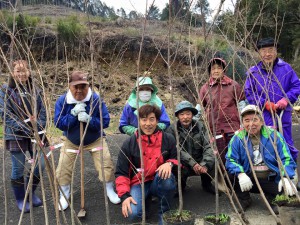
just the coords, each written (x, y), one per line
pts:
(70, 30)
(1, 130)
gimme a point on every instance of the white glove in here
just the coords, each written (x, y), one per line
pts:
(79, 107)
(84, 117)
(290, 186)
(245, 182)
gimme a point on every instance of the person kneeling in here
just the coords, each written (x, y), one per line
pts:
(196, 153)
(159, 155)
(259, 140)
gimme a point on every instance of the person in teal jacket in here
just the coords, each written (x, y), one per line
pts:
(147, 95)
(259, 140)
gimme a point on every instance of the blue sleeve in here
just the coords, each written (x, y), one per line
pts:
(95, 121)
(63, 119)
(285, 156)
(294, 88)
(164, 118)
(125, 117)
(233, 157)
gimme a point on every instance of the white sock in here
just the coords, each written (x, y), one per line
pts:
(111, 194)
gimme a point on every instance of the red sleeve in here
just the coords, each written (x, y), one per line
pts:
(122, 185)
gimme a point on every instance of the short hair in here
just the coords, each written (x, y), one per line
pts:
(145, 111)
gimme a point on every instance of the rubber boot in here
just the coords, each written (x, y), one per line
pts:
(36, 201)
(111, 194)
(63, 201)
(19, 192)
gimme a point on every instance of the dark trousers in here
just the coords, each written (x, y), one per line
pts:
(269, 187)
(187, 172)
(222, 145)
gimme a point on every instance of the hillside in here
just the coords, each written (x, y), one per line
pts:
(116, 46)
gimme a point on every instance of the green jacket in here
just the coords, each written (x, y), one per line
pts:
(194, 145)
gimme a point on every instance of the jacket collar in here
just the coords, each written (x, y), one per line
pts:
(224, 81)
(193, 126)
(71, 100)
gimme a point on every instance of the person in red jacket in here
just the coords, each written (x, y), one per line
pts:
(159, 155)
(221, 97)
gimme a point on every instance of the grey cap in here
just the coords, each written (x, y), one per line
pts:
(185, 105)
(251, 108)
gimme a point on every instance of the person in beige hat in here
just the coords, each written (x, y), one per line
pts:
(81, 105)
(259, 140)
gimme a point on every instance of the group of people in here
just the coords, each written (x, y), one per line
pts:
(241, 133)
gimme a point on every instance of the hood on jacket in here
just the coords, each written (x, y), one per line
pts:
(154, 98)
(145, 81)
(219, 61)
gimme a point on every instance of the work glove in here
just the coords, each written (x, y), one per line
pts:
(282, 103)
(290, 186)
(84, 117)
(270, 106)
(245, 182)
(79, 107)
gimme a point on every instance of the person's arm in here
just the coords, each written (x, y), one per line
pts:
(42, 114)
(208, 159)
(164, 120)
(185, 157)
(285, 155)
(12, 121)
(122, 173)
(294, 87)
(62, 119)
(124, 126)
(202, 95)
(94, 123)
(233, 155)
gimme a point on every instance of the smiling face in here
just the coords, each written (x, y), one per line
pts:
(268, 55)
(217, 71)
(252, 124)
(148, 124)
(21, 72)
(185, 118)
(79, 91)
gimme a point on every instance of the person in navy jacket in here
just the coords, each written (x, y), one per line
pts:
(81, 105)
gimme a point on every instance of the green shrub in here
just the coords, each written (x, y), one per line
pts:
(69, 30)
(48, 20)
(22, 22)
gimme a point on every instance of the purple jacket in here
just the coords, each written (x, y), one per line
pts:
(282, 82)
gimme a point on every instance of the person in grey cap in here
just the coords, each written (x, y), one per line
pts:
(196, 153)
(81, 105)
(274, 86)
(260, 141)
